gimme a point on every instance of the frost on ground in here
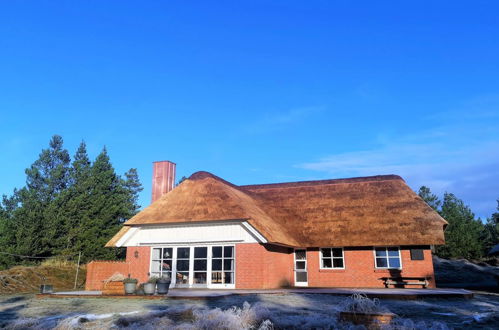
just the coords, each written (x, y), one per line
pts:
(258, 311)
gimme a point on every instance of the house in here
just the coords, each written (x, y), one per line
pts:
(210, 233)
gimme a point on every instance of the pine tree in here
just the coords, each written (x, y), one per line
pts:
(36, 228)
(490, 236)
(462, 235)
(134, 187)
(430, 199)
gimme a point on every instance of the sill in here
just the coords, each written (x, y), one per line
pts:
(333, 270)
(387, 270)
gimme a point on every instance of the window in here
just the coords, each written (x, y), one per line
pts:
(161, 262)
(183, 259)
(387, 257)
(332, 258)
(200, 264)
(222, 264)
(417, 254)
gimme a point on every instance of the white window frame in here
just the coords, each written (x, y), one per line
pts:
(191, 283)
(387, 257)
(332, 258)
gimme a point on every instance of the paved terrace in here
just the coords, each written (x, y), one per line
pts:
(211, 293)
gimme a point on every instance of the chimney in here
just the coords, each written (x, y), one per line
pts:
(163, 178)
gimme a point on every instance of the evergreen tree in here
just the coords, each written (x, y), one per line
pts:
(108, 202)
(490, 236)
(36, 229)
(430, 199)
(7, 229)
(134, 187)
(462, 235)
(67, 207)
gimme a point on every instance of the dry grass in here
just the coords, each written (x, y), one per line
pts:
(27, 279)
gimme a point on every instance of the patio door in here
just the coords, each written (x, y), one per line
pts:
(301, 276)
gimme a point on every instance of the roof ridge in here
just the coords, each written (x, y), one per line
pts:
(374, 178)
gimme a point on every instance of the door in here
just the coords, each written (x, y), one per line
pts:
(301, 276)
(182, 276)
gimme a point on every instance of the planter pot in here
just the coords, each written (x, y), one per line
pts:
(370, 320)
(130, 287)
(163, 286)
(149, 288)
(46, 288)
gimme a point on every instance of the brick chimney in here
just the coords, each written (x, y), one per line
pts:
(163, 178)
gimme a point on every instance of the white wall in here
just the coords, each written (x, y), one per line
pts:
(209, 232)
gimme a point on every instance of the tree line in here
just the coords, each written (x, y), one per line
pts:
(68, 205)
(465, 236)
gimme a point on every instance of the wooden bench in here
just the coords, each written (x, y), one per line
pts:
(404, 280)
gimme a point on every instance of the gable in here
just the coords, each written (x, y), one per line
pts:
(189, 233)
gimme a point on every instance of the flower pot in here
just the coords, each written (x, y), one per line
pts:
(46, 288)
(130, 287)
(163, 286)
(149, 288)
(370, 320)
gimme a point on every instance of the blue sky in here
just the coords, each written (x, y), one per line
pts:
(259, 91)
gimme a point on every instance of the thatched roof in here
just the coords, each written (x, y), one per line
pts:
(367, 211)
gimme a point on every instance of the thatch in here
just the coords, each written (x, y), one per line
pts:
(369, 211)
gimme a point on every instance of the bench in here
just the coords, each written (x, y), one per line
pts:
(403, 280)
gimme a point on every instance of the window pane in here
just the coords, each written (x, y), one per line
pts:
(182, 277)
(394, 262)
(417, 254)
(228, 278)
(216, 277)
(228, 251)
(301, 276)
(166, 265)
(183, 253)
(156, 253)
(216, 252)
(300, 265)
(380, 252)
(200, 264)
(200, 252)
(326, 253)
(167, 253)
(155, 266)
(338, 263)
(326, 263)
(228, 263)
(301, 255)
(200, 278)
(183, 265)
(337, 253)
(216, 264)
(393, 252)
(381, 262)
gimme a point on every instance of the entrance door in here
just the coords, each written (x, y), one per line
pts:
(301, 278)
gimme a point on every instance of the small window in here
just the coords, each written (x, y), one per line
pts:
(332, 258)
(417, 254)
(387, 257)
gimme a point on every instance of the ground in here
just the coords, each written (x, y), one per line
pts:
(296, 311)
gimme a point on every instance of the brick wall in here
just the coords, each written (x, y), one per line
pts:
(137, 267)
(265, 266)
(98, 271)
(360, 269)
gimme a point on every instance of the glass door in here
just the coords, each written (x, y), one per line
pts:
(301, 277)
(200, 266)
(183, 265)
